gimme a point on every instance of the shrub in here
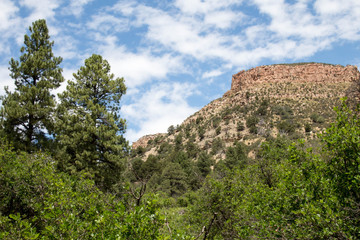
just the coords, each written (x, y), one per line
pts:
(37, 202)
(240, 126)
(251, 121)
(286, 126)
(171, 130)
(316, 118)
(307, 127)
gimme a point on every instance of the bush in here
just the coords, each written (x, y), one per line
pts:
(286, 126)
(36, 201)
(316, 118)
(284, 111)
(171, 130)
(253, 129)
(240, 126)
(251, 121)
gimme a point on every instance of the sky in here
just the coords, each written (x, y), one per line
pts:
(177, 56)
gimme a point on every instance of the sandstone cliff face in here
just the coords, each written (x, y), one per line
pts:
(309, 72)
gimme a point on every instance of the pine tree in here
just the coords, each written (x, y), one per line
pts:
(27, 112)
(89, 129)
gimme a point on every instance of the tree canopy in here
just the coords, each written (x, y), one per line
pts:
(27, 113)
(88, 127)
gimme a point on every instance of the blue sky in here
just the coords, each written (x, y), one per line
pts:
(177, 56)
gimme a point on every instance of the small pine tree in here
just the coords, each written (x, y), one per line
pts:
(89, 129)
(27, 112)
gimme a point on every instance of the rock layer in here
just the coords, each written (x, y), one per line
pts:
(307, 72)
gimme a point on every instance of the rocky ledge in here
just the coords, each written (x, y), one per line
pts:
(301, 72)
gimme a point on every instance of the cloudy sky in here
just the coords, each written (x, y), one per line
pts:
(178, 55)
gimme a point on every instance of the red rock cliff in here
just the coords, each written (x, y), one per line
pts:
(307, 72)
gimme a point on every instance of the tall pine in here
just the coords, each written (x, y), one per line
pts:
(89, 129)
(27, 112)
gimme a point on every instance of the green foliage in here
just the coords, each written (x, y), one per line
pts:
(342, 147)
(171, 130)
(191, 149)
(178, 141)
(36, 202)
(88, 128)
(251, 123)
(240, 126)
(288, 192)
(199, 120)
(271, 153)
(236, 156)
(204, 162)
(283, 110)
(215, 122)
(201, 133)
(287, 126)
(316, 118)
(27, 111)
(174, 180)
(216, 146)
(262, 109)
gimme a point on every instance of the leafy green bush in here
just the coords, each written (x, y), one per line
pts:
(289, 192)
(36, 201)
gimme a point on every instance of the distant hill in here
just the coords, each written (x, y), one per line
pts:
(294, 100)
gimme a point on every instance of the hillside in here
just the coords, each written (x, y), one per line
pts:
(252, 164)
(295, 100)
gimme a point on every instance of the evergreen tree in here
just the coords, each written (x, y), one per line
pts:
(89, 129)
(236, 156)
(27, 112)
(204, 163)
(173, 180)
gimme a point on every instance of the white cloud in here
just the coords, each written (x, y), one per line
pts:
(66, 47)
(5, 80)
(163, 105)
(183, 35)
(106, 22)
(213, 73)
(222, 19)
(139, 68)
(10, 25)
(204, 6)
(335, 7)
(76, 8)
(41, 9)
(7, 14)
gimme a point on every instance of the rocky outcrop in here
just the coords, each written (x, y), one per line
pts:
(264, 79)
(143, 141)
(305, 72)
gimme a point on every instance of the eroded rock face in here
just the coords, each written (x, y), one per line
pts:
(143, 141)
(308, 72)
